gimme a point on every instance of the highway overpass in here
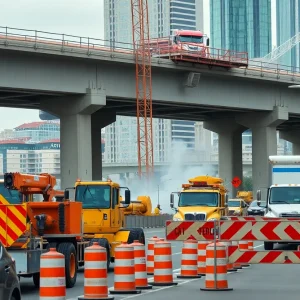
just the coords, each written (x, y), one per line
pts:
(78, 84)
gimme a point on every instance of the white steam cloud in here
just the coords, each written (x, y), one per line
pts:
(174, 176)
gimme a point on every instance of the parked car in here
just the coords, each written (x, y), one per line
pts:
(9, 281)
(237, 207)
(255, 210)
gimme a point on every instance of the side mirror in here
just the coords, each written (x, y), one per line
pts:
(226, 199)
(172, 200)
(66, 194)
(127, 197)
(258, 197)
(226, 205)
(207, 42)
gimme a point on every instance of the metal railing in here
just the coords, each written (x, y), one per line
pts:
(147, 221)
(42, 40)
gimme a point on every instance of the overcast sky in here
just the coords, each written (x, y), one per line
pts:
(75, 17)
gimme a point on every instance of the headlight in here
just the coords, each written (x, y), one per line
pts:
(176, 219)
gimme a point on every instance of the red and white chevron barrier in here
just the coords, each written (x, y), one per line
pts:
(263, 257)
(231, 230)
(259, 218)
(260, 230)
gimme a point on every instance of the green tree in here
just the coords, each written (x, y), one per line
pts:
(247, 183)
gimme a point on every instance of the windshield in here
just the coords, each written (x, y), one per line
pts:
(12, 196)
(191, 39)
(285, 195)
(234, 203)
(198, 199)
(93, 196)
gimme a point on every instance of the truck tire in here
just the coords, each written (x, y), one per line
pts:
(135, 234)
(68, 250)
(103, 243)
(36, 279)
(268, 245)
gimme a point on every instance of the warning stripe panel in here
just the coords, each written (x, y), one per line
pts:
(13, 222)
(235, 255)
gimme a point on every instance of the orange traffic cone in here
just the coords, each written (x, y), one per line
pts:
(230, 267)
(243, 246)
(202, 257)
(141, 279)
(52, 275)
(163, 266)
(189, 264)
(216, 275)
(124, 270)
(95, 273)
(150, 255)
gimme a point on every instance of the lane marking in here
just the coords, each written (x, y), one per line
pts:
(160, 289)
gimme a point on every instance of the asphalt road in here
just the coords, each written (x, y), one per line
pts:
(256, 282)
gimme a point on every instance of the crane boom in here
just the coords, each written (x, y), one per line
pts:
(29, 184)
(140, 36)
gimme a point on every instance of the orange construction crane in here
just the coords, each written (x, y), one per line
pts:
(29, 184)
(140, 36)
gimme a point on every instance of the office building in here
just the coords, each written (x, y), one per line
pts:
(243, 26)
(287, 26)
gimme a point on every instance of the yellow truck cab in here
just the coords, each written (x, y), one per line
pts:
(203, 198)
(237, 207)
(247, 196)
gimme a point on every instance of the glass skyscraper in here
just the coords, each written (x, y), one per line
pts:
(287, 26)
(241, 25)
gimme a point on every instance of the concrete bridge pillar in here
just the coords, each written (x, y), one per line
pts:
(264, 143)
(75, 113)
(230, 150)
(100, 119)
(292, 136)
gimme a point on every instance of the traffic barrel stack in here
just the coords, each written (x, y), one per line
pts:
(243, 246)
(124, 277)
(163, 266)
(150, 255)
(216, 268)
(189, 260)
(141, 279)
(52, 276)
(230, 267)
(95, 273)
(202, 257)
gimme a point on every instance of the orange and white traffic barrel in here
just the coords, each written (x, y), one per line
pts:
(163, 265)
(243, 246)
(189, 260)
(95, 273)
(141, 279)
(150, 255)
(124, 277)
(250, 245)
(236, 266)
(202, 257)
(216, 268)
(52, 276)
(230, 267)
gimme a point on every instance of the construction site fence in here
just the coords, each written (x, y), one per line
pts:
(147, 221)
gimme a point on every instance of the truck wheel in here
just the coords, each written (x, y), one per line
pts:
(269, 245)
(36, 279)
(68, 250)
(135, 234)
(103, 243)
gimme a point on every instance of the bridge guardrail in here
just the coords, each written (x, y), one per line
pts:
(147, 221)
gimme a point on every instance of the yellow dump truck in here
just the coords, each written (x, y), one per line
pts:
(237, 207)
(247, 196)
(203, 198)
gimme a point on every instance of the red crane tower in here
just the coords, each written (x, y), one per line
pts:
(140, 36)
